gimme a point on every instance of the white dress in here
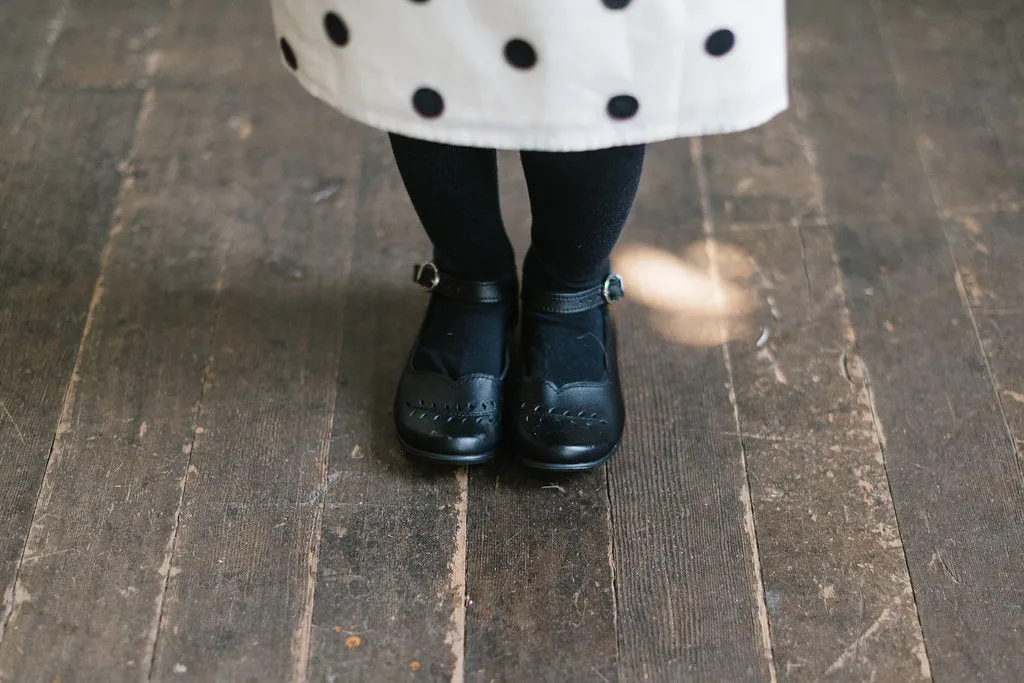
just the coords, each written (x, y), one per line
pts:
(554, 75)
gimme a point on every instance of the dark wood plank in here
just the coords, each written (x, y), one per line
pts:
(390, 595)
(954, 473)
(946, 44)
(688, 591)
(927, 371)
(836, 582)
(93, 573)
(240, 591)
(765, 177)
(956, 489)
(228, 134)
(952, 469)
(28, 31)
(835, 40)
(540, 583)
(243, 560)
(58, 183)
(861, 135)
(988, 248)
(232, 41)
(949, 63)
(107, 43)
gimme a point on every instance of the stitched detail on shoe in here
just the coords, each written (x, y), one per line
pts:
(444, 411)
(538, 414)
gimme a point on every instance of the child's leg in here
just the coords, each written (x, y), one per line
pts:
(455, 193)
(580, 203)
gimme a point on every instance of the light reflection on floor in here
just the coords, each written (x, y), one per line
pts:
(689, 302)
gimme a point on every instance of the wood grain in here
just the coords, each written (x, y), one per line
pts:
(55, 214)
(88, 595)
(953, 472)
(107, 44)
(686, 578)
(836, 582)
(540, 585)
(28, 31)
(241, 572)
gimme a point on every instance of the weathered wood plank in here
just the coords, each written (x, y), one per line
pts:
(230, 135)
(836, 582)
(57, 192)
(988, 248)
(948, 63)
(835, 40)
(391, 572)
(540, 584)
(866, 151)
(232, 40)
(764, 176)
(945, 44)
(87, 599)
(240, 592)
(107, 43)
(687, 595)
(28, 31)
(953, 473)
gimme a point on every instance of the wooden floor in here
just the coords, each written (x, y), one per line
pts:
(204, 308)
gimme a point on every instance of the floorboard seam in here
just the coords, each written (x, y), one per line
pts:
(457, 635)
(614, 574)
(763, 621)
(165, 566)
(306, 651)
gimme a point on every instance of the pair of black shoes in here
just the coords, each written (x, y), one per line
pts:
(462, 421)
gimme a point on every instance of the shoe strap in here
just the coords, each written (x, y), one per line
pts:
(434, 280)
(608, 292)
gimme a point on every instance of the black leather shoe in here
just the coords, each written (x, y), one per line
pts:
(576, 426)
(453, 420)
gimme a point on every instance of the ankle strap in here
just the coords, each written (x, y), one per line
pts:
(431, 278)
(610, 291)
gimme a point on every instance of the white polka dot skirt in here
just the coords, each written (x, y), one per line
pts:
(554, 75)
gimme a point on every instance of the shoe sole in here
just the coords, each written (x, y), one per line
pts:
(569, 467)
(446, 459)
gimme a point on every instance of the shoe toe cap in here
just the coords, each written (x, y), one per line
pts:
(447, 435)
(552, 436)
(449, 420)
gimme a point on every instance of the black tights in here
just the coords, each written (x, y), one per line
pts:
(579, 201)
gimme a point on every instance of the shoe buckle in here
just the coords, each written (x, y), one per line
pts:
(427, 276)
(613, 289)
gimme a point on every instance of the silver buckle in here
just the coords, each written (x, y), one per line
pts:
(428, 269)
(613, 280)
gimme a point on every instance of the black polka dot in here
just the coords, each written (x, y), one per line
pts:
(428, 103)
(336, 29)
(720, 42)
(520, 54)
(289, 55)
(615, 4)
(623, 107)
